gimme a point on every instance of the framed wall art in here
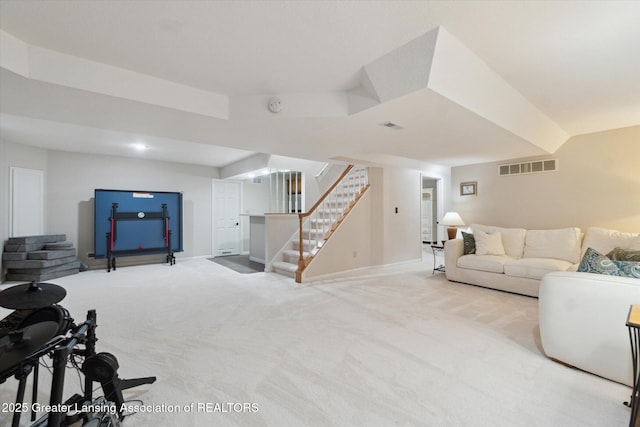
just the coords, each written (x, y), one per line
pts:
(469, 188)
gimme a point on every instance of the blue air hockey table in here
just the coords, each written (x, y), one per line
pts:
(131, 223)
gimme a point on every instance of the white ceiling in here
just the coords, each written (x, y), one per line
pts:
(578, 62)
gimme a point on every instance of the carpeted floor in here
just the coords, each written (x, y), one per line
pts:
(388, 346)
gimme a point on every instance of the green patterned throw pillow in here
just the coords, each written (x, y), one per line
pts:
(469, 243)
(621, 254)
(595, 262)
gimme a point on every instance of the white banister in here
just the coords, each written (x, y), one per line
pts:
(321, 220)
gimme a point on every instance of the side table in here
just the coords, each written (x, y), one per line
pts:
(437, 250)
(633, 324)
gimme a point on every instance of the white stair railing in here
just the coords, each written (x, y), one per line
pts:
(321, 220)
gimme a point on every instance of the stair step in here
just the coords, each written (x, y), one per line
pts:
(295, 253)
(292, 256)
(285, 268)
(315, 232)
(307, 245)
(317, 221)
(340, 199)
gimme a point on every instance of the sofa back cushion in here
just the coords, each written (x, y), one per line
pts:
(512, 238)
(563, 243)
(605, 240)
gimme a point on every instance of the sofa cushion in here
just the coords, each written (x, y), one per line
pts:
(512, 238)
(621, 254)
(595, 262)
(535, 268)
(469, 243)
(488, 244)
(490, 263)
(563, 243)
(604, 240)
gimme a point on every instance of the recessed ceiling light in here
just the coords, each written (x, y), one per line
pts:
(139, 146)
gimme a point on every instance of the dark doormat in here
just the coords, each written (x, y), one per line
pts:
(239, 263)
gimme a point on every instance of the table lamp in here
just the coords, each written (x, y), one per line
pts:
(452, 220)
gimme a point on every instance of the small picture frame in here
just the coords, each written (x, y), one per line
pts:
(469, 188)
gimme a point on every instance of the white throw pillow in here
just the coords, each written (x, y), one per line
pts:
(512, 238)
(488, 244)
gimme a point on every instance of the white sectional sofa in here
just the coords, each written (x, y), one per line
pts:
(527, 255)
(582, 315)
(582, 322)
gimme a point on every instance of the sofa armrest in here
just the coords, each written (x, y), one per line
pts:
(453, 249)
(582, 321)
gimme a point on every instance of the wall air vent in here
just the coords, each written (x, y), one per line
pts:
(534, 166)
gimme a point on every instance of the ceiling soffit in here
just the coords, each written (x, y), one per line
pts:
(434, 62)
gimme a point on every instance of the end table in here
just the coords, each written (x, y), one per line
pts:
(633, 323)
(437, 249)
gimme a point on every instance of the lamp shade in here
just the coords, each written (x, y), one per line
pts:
(451, 219)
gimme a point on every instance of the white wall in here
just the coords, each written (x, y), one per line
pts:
(22, 156)
(73, 177)
(402, 190)
(348, 248)
(373, 233)
(597, 184)
(255, 199)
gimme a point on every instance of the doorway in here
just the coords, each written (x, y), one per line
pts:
(226, 198)
(429, 208)
(26, 210)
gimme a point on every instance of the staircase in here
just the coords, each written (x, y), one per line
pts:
(319, 223)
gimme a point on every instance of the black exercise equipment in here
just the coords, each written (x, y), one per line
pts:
(28, 335)
(31, 295)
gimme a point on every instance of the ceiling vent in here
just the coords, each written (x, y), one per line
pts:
(536, 166)
(392, 125)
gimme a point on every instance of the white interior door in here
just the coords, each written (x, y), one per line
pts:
(226, 218)
(27, 202)
(427, 215)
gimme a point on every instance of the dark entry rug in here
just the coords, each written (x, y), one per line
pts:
(239, 263)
